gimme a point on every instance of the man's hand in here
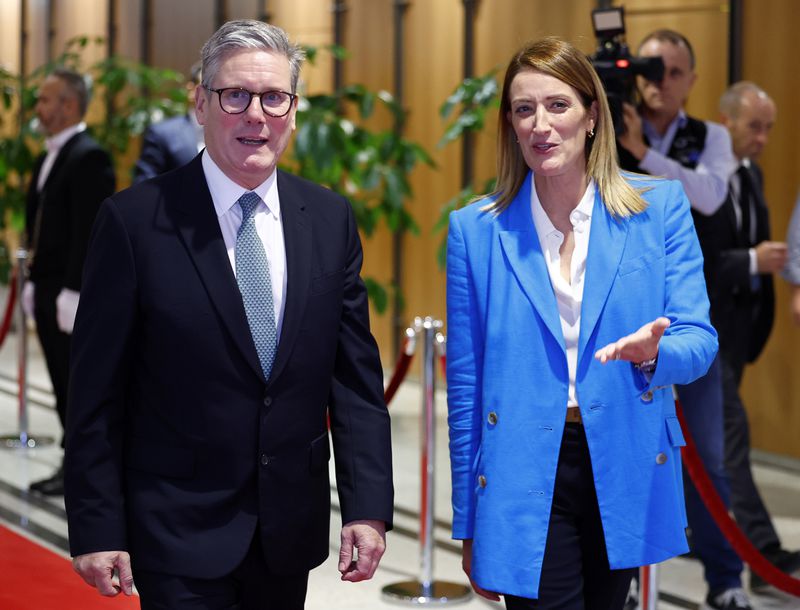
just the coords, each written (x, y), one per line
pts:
(771, 256)
(632, 140)
(67, 309)
(363, 544)
(796, 304)
(108, 571)
(466, 565)
(638, 347)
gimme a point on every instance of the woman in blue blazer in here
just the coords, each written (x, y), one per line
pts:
(575, 299)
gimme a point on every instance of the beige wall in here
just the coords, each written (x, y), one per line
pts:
(433, 56)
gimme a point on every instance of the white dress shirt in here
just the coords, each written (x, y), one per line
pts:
(569, 295)
(706, 186)
(53, 145)
(225, 194)
(736, 189)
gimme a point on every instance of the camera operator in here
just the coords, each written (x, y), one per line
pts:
(661, 139)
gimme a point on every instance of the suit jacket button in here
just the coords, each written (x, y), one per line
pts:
(267, 401)
(647, 396)
(492, 418)
(482, 480)
(264, 459)
(661, 458)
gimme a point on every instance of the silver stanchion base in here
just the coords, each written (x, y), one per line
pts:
(10, 441)
(437, 594)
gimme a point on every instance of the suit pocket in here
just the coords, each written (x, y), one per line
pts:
(674, 432)
(327, 283)
(643, 261)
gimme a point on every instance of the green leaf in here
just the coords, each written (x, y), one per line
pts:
(377, 294)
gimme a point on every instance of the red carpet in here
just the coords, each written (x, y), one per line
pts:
(34, 578)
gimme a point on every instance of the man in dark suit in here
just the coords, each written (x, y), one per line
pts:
(740, 261)
(69, 182)
(223, 320)
(172, 142)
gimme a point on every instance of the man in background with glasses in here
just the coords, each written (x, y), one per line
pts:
(222, 320)
(173, 142)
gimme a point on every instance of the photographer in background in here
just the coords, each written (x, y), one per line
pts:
(661, 139)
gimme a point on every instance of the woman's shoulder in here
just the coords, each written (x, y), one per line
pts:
(654, 189)
(476, 211)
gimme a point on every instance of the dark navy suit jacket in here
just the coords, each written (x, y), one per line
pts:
(166, 146)
(178, 449)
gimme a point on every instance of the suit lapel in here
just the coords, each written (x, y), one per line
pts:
(198, 227)
(606, 244)
(297, 239)
(523, 251)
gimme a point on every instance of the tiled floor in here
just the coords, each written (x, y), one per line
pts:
(42, 519)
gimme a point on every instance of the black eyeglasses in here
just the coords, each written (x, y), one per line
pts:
(235, 100)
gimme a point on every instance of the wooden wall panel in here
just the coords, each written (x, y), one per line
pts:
(129, 34)
(308, 22)
(180, 27)
(9, 36)
(772, 385)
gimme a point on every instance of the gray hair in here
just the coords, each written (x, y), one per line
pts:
(77, 85)
(249, 34)
(731, 101)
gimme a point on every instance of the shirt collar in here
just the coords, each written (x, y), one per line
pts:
(578, 217)
(225, 192)
(677, 123)
(56, 142)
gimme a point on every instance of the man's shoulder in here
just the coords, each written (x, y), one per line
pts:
(172, 185)
(168, 125)
(83, 143)
(310, 192)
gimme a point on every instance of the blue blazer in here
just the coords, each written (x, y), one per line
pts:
(506, 356)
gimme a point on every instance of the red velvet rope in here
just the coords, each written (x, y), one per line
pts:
(740, 543)
(400, 371)
(9, 313)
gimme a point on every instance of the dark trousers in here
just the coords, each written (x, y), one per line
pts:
(746, 503)
(575, 570)
(702, 404)
(251, 586)
(55, 343)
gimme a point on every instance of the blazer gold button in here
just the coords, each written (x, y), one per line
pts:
(482, 481)
(492, 418)
(647, 396)
(661, 458)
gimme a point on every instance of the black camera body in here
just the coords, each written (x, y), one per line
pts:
(615, 65)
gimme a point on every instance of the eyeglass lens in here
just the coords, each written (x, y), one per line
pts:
(236, 101)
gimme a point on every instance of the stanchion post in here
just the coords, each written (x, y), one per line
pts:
(23, 440)
(427, 591)
(648, 587)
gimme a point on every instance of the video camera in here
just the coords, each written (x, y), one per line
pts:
(615, 65)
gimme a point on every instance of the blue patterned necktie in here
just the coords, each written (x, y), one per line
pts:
(252, 275)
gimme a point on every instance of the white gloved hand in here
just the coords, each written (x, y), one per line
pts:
(66, 308)
(27, 298)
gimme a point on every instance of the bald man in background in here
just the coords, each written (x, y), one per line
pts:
(741, 260)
